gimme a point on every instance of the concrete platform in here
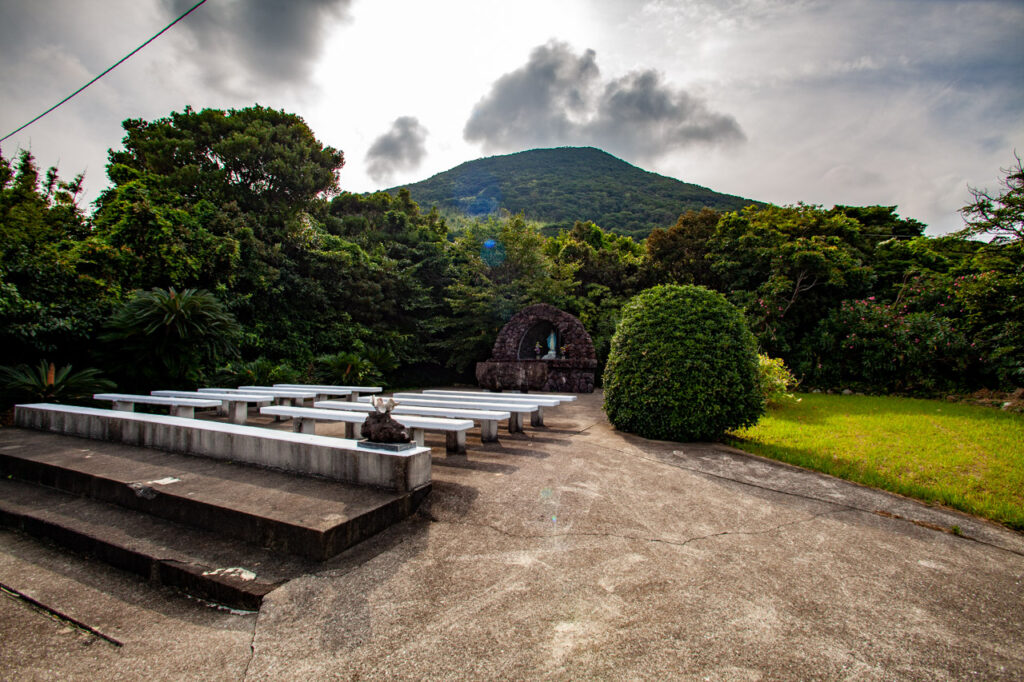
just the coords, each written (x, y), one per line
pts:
(577, 552)
(339, 459)
(299, 515)
(182, 521)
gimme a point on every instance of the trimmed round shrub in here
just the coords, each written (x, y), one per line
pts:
(682, 366)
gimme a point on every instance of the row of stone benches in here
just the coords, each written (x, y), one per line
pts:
(447, 411)
(339, 459)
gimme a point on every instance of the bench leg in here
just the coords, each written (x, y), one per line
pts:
(417, 436)
(124, 407)
(300, 425)
(186, 411)
(284, 402)
(515, 422)
(488, 430)
(353, 397)
(455, 442)
(350, 430)
(238, 412)
(537, 418)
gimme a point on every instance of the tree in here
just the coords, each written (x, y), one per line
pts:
(679, 253)
(57, 281)
(786, 266)
(999, 215)
(501, 268)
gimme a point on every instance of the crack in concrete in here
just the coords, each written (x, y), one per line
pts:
(637, 538)
(252, 647)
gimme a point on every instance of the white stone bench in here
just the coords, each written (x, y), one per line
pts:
(517, 410)
(536, 418)
(488, 419)
(180, 407)
(502, 395)
(281, 396)
(325, 391)
(236, 405)
(305, 419)
(286, 396)
(339, 459)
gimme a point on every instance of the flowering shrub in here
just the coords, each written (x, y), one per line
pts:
(882, 347)
(775, 380)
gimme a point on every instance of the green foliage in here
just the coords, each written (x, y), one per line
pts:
(164, 335)
(48, 383)
(561, 186)
(774, 380)
(680, 254)
(889, 348)
(683, 366)
(258, 372)
(245, 204)
(55, 278)
(345, 369)
(784, 265)
(501, 268)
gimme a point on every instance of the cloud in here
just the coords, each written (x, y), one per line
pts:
(558, 98)
(401, 148)
(246, 43)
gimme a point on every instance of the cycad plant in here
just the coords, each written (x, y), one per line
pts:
(163, 334)
(47, 382)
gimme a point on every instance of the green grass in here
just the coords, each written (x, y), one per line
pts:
(963, 456)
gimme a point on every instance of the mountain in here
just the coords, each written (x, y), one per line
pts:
(563, 185)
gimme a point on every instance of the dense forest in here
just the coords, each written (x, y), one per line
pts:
(222, 251)
(558, 187)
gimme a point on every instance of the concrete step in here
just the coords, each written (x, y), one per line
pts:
(198, 562)
(299, 515)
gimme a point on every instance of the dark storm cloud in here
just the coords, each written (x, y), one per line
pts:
(640, 114)
(401, 148)
(532, 105)
(266, 40)
(558, 98)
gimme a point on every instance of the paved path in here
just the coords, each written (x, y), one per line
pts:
(576, 552)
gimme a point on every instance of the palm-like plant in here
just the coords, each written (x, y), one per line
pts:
(48, 382)
(184, 332)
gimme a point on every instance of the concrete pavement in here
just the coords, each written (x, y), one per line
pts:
(575, 552)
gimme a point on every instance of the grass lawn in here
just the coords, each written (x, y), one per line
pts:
(967, 457)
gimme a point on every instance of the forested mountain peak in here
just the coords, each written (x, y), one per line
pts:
(562, 185)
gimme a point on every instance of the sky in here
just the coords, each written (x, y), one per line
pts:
(855, 102)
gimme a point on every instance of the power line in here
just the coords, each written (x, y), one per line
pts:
(111, 68)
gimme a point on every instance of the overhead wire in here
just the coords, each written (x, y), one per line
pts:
(108, 70)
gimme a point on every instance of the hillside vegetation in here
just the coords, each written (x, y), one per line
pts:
(223, 253)
(557, 187)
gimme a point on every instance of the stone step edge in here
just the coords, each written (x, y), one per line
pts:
(197, 580)
(272, 534)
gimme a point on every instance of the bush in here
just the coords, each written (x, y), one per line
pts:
(774, 380)
(878, 347)
(682, 366)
